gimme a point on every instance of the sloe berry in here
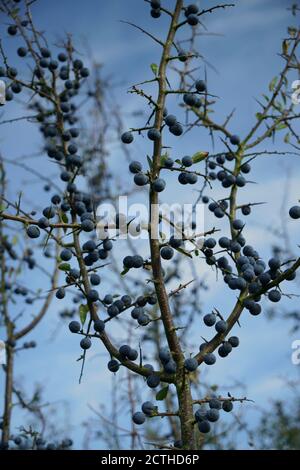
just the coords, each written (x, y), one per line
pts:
(113, 365)
(235, 140)
(99, 326)
(191, 364)
(33, 231)
(295, 212)
(167, 252)
(138, 418)
(74, 326)
(127, 137)
(85, 343)
(209, 359)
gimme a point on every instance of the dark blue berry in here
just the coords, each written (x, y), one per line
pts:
(212, 415)
(221, 326)
(153, 134)
(85, 343)
(92, 295)
(209, 319)
(204, 427)
(148, 407)
(234, 341)
(209, 359)
(135, 167)
(187, 161)
(227, 406)
(159, 185)
(176, 129)
(127, 137)
(33, 231)
(138, 418)
(295, 212)
(192, 20)
(66, 254)
(99, 326)
(200, 86)
(274, 295)
(235, 140)
(170, 120)
(153, 381)
(191, 364)
(74, 326)
(113, 365)
(167, 252)
(87, 225)
(140, 179)
(95, 279)
(170, 367)
(60, 293)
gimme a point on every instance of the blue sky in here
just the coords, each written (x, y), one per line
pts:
(244, 54)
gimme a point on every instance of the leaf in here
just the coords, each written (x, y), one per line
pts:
(64, 218)
(281, 126)
(287, 138)
(258, 116)
(15, 239)
(279, 105)
(283, 96)
(3, 207)
(154, 68)
(292, 31)
(64, 267)
(83, 310)
(125, 271)
(15, 12)
(164, 158)
(285, 47)
(183, 252)
(18, 203)
(149, 162)
(199, 156)
(273, 83)
(178, 161)
(161, 395)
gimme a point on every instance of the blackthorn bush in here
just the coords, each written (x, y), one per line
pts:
(68, 222)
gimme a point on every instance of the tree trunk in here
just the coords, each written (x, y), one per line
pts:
(8, 395)
(186, 414)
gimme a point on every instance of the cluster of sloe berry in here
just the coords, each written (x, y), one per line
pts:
(170, 120)
(74, 202)
(204, 416)
(25, 441)
(148, 409)
(190, 12)
(60, 67)
(241, 266)
(113, 309)
(17, 288)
